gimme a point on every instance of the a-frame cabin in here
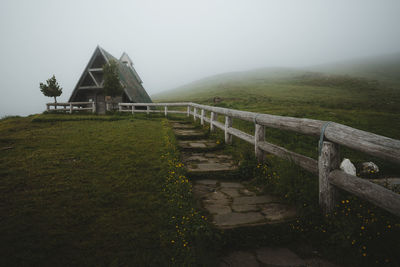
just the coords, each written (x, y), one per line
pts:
(90, 84)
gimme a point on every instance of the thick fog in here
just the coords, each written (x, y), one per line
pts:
(178, 41)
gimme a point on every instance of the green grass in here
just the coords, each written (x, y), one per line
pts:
(357, 233)
(87, 192)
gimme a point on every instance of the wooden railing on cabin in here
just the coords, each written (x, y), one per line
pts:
(72, 106)
(326, 167)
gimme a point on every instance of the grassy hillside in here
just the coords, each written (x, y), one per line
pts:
(384, 68)
(365, 104)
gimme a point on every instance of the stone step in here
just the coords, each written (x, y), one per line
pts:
(180, 125)
(270, 256)
(180, 121)
(189, 134)
(208, 163)
(198, 145)
(232, 205)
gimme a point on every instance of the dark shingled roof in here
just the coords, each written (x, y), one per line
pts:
(128, 76)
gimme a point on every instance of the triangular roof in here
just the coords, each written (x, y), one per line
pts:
(132, 83)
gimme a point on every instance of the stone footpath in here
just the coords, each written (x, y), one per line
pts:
(232, 204)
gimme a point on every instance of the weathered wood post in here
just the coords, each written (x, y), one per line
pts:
(188, 111)
(259, 136)
(228, 124)
(148, 110)
(119, 107)
(93, 107)
(133, 110)
(213, 117)
(70, 108)
(194, 114)
(328, 160)
(166, 111)
(47, 107)
(202, 117)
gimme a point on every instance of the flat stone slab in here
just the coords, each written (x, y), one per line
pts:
(272, 256)
(252, 200)
(216, 198)
(232, 192)
(231, 185)
(188, 133)
(278, 212)
(197, 144)
(245, 208)
(237, 219)
(232, 205)
(239, 259)
(317, 262)
(179, 125)
(207, 182)
(208, 163)
(246, 192)
(211, 167)
(218, 209)
(200, 191)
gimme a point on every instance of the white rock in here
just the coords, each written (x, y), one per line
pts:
(348, 167)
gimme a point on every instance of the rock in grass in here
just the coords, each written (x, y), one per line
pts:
(348, 167)
(369, 169)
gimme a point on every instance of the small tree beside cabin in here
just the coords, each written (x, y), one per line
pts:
(51, 88)
(112, 85)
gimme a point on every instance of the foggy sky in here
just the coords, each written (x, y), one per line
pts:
(178, 41)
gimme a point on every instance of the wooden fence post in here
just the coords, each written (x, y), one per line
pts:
(70, 108)
(93, 107)
(228, 124)
(202, 117)
(188, 111)
(133, 110)
(166, 111)
(212, 119)
(148, 110)
(328, 160)
(259, 136)
(194, 114)
(47, 107)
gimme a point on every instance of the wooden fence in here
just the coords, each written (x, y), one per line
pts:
(72, 106)
(326, 167)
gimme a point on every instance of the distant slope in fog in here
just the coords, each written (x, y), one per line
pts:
(220, 82)
(385, 68)
(364, 94)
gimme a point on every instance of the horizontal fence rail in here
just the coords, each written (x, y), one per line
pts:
(72, 106)
(326, 167)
